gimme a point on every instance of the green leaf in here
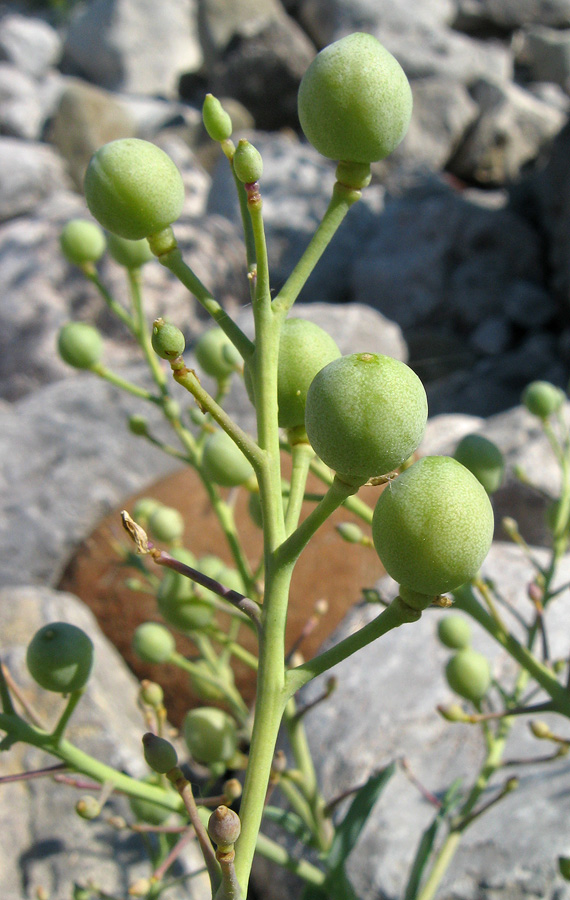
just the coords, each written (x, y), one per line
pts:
(427, 840)
(289, 821)
(336, 887)
(348, 831)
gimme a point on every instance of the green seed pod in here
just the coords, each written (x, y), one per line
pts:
(177, 600)
(468, 674)
(60, 657)
(159, 754)
(167, 340)
(433, 526)
(454, 632)
(365, 415)
(216, 120)
(247, 162)
(216, 354)
(82, 242)
(166, 524)
(133, 188)
(153, 643)
(355, 102)
(224, 827)
(542, 399)
(130, 254)
(143, 509)
(482, 457)
(223, 461)
(146, 810)
(80, 345)
(210, 734)
(138, 425)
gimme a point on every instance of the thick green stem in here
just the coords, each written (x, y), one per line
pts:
(302, 453)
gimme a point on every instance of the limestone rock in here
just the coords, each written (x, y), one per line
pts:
(29, 172)
(21, 112)
(29, 43)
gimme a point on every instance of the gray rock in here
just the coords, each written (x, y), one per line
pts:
(46, 845)
(29, 43)
(151, 115)
(549, 201)
(28, 173)
(120, 44)
(21, 113)
(326, 22)
(545, 54)
(482, 15)
(513, 129)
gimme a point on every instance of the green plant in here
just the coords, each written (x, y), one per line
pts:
(363, 415)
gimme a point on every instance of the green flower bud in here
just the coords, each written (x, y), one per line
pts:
(82, 242)
(130, 254)
(247, 162)
(210, 734)
(216, 120)
(454, 632)
(355, 102)
(468, 674)
(143, 508)
(80, 345)
(133, 188)
(542, 399)
(365, 414)
(138, 425)
(153, 643)
(159, 754)
(167, 340)
(152, 693)
(216, 354)
(350, 532)
(224, 827)
(146, 810)
(433, 526)
(60, 657)
(482, 457)
(166, 524)
(223, 461)
(88, 808)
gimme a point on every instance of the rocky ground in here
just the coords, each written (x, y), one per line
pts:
(462, 245)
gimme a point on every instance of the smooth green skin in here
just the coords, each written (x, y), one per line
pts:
(210, 735)
(482, 457)
(468, 674)
(166, 524)
(365, 415)
(144, 508)
(82, 242)
(454, 632)
(153, 643)
(433, 526)
(247, 162)
(168, 342)
(138, 424)
(130, 254)
(223, 461)
(159, 754)
(542, 398)
(146, 810)
(60, 657)
(216, 120)
(80, 345)
(204, 689)
(355, 102)
(216, 354)
(184, 613)
(133, 188)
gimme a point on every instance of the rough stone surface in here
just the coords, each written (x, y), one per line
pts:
(21, 112)
(545, 54)
(479, 16)
(29, 43)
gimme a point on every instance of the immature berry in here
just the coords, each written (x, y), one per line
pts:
(167, 340)
(80, 345)
(224, 827)
(247, 162)
(216, 354)
(143, 509)
(146, 810)
(433, 526)
(130, 254)
(223, 461)
(304, 349)
(355, 102)
(454, 632)
(159, 754)
(60, 657)
(216, 120)
(166, 524)
(153, 643)
(468, 674)
(133, 188)
(365, 414)
(82, 242)
(210, 734)
(482, 457)
(542, 399)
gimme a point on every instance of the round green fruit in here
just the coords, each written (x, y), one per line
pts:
(146, 810)
(210, 735)
(304, 349)
(482, 457)
(454, 632)
(130, 254)
(355, 102)
(80, 345)
(223, 461)
(468, 674)
(159, 753)
(365, 415)
(167, 340)
(60, 657)
(82, 242)
(166, 524)
(153, 643)
(433, 526)
(216, 354)
(143, 509)
(133, 188)
(542, 398)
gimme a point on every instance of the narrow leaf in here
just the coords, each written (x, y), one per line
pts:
(427, 840)
(289, 821)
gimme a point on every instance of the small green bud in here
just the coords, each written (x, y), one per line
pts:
(224, 827)
(151, 693)
(60, 657)
(153, 643)
(171, 409)
(210, 734)
(82, 242)
(217, 121)
(138, 425)
(80, 345)
(166, 524)
(540, 730)
(468, 674)
(143, 508)
(133, 188)
(216, 354)
(232, 789)
(88, 808)
(167, 340)
(454, 632)
(247, 162)
(542, 399)
(350, 532)
(223, 461)
(159, 754)
(130, 254)
(452, 713)
(482, 457)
